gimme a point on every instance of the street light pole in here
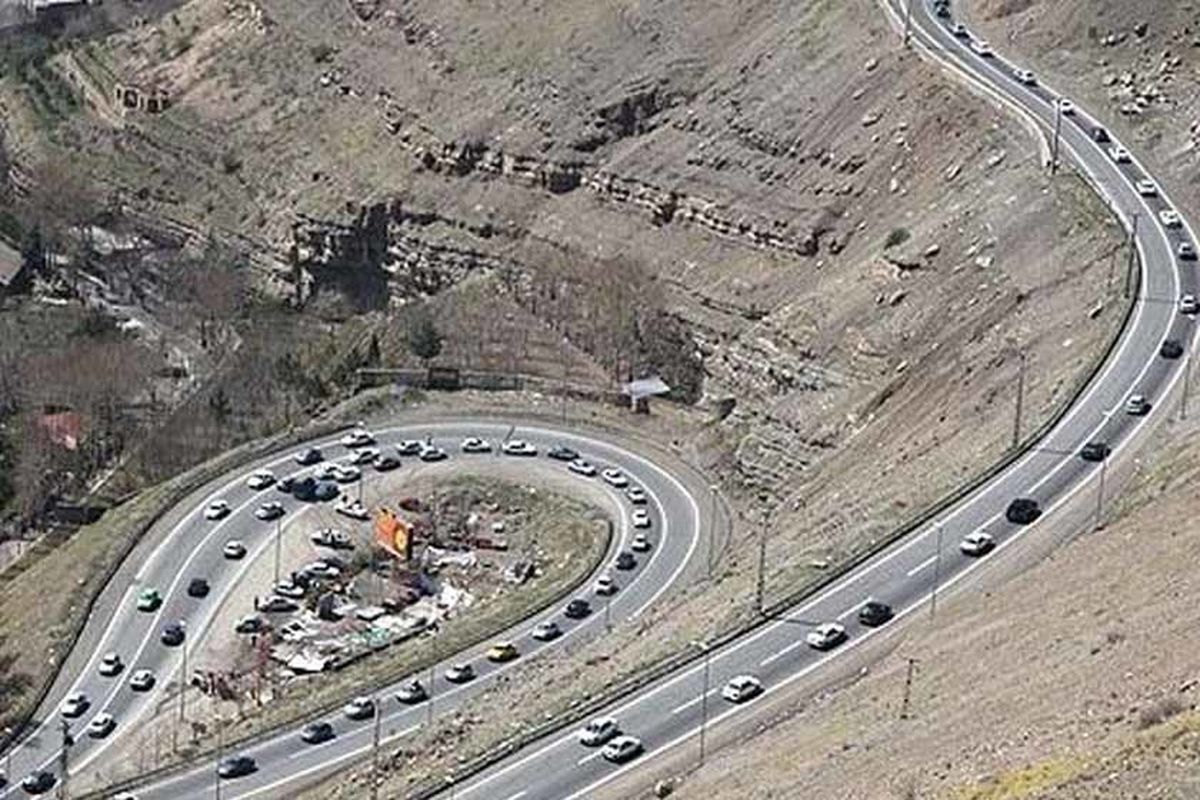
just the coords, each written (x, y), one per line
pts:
(375, 751)
(1100, 492)
(278, 546)
(217, 768)
(432, 677)
(1016, 437)
(712, 530)
(937, 573)
(704, 697)
(1187, 381)
(907, 21)
(1057, 135)
(761, 585)
(65, 728)
(1132, 256)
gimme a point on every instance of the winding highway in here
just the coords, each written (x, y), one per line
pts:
(670, 711)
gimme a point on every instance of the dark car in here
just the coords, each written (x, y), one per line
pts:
(1099, 134)
(197, 587)
(317, 732)
(386, 463)
(874, 613)
(236, 767)
(311, 490)
(39, 782)
(626, 560)
(251, 625)
(309, 457)
(577, 609)
(1171, 348)
(561, 453)
(287, 483)
(1023, 511)
(172, 635)
(1095, 451)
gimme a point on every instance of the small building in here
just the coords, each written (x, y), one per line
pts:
(640, 391)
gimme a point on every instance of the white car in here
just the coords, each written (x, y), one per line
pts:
(234, 549)
(981, 48)
(519, 447)
(615, 478)
(101, 725)
(331, 537)
(1170, 218)
(111, 665)
(1147, 188)
(321, 569)
(358, 438)
(581, 467)
(1188, 304)
(1066, 107)
(640, 543)
(1119, 154)
(742, 688)
(545, 631)
(359, 708)
(636, 495)
(599, 731)
(260, 479)
(270, 511)
(217, 509)
(432, 453)
(410, 447)
(474, 444)
(1137, 405)
(960, 30)
(977, 543)
(350, 507)
(367, 455)
(346, 473)
(142, 681)
(605, 585)
(289, 589)
(1186, 251)
(328, 471)
(622, 748)
(460, 673)
(1026, 77)
(75, 704)
(641, 518)
(826, 636)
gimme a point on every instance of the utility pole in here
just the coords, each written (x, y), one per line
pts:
(704, 697)
(67, 741)
(712, 530)
(1057, 135)
(217, 768)
(432, 677)
(183, 684)
(908, 682)
(937, 573)
(278, 546)
(761, 585)
(1187, 381)
(908, 4)
(375, 751)
(1016, 437)
(608, 612)
(1100, 491)
(1132, 256)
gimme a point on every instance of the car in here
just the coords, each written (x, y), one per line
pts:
(321, 569)
(101, 725)
(473, 444)
(826, 636)
(640, 518)
(636, 495)
(546, 631)
(982, 48)
(1022, 511)
(1171, 348)
(306, 458)
(640, 543)
(148, 600)
(615, 478)
(562, 453)
(317, 732)
(1099, 135)
(287, 483)
(874, 613)
(252, 624)
(519, 447)
(365, 456)
(74, 705)
(1094, 451)
(386, 463)
(39, 782)
(1066, 107)
(599, 731)
(217, 509)
(358, 438)
(313, 490)
(742, 688)
(260, 479)
(942, 10)
(605, 586)
(1170, 218)
(502, 652)
(234, 550)
(1137, 406)
(332, 538)
(270, 511)
(346, 473)
(581, 467)
(625, 560)
(431, 453)
(111, 665)
(1119, 154)
(278, 605)
(352, 508)
(959, 30)
(460, 673)
(1186, 251)
(577, 609)
(410, 447)
(977, 543)
(197, 587)
(359, 708)
(1188, 304)
(236, 767)
(621, 749)
(172, 635)
(1146, 188)
(412, 693)
(327, 471)
(142, 681)
(289, 589)
(1026, 77)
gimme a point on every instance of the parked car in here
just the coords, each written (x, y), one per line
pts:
(359, 708)
(101, 725)
(742, 688)
(39, 782)
(546, 631)
(1026, 77)
(386, 463)
(1022, 511)
(1170, 218)
(622, 749)
(1146, 187)
(640, 518)
(412, 693)
(1188, 304)
(350, 507)
(473, 444)
(289, 590)
(562, 453)
(316, 733)
(959, 30)
(636, 495)
(306, 458)
(432, 453)
(367, 455)
(615, 478)
(640, 543)
(1099, 135)
(278, 605)
(148, 600)
(236, 767)
(252, 624)
(217, 509)
(111, 665)
(581, 467)
(460, 673)
(826, 636)
(358, 438)
(1066, 107)
(981, 48)
(346, 473)
(234, 550)
(1186, 251)
(874, 613)
(332, 538)
(260, 479)
(172, 635)
(605, 586)
(1119, 154)
(1095, 451)
(977, 543)
(625, 560)
(270, 511)
(410, 447)
(74, 705)
(519, 447)
(321, 569)
(502, 652)
(197, 587)
(577, 609)
(287, 483)
(142, 680)
(599, 731)
(1171, 348)
(1137, 405)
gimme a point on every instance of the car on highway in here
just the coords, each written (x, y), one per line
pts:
(1025, 76)
(412, 693)
(111, 665)
(826, 636)
(358, 438)
(148, 600)
(1095, 451)
(432, 453)
(251, 625)
(332, 538)
(1170, 218)
(741, 688)
(348, 506)
(1022, 511)
(959, 30)
(1188, 304)
(640, 518)
(1137, 406)
(367, 455)
(581, 467)
(317, 732)
(386, 463)
(981, 48)
(234, 550)
(605, 586)
(625, 560)
(640, 543)
(977, 543)
(546, 631)
(1066, 107)
(260, 479)
(615, 478)
(39, 782)
(874, 613)
(74, 705)
(460, 673)
(1119, 154)
(599, 731)
(1099, 135)
(346, 473)
(1186, 251)
(289, 589)
(622, 749)
(502, 652)
(636, 495)
(562, 453)
(197, 587)
(359, 708)
(1146, 188)
(172, 634)
(1171, 348)
(142, 680)
(278, 605)
(217, 509)
(306, 458)
(410, 447)
(236, 767)
(473, 444)
(101, 725)
(577, 609)
(270, 511)
(519, 447)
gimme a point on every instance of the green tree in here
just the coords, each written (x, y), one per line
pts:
(424, 339)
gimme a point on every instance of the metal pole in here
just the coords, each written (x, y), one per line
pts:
(1100, 492)
(1187, 380)
(704, 702)
(432, 677)
(278, 546)
(907, 22)
(63, 793)
(1132, 256)
(1057, 134)
(375, 751)
(217, 769)
(1016, 437)
(937, 574)
(607, 612)
(761, 585)
(183, 682)
(712, 531)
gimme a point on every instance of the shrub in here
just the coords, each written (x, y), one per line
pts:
(1160, 711)
(897, 237)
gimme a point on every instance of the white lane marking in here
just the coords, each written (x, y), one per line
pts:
(926, 563)
(589, 757)
(849, 612)
(517, 796)
(771, 659)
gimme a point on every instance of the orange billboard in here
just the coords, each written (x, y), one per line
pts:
(393, 534)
